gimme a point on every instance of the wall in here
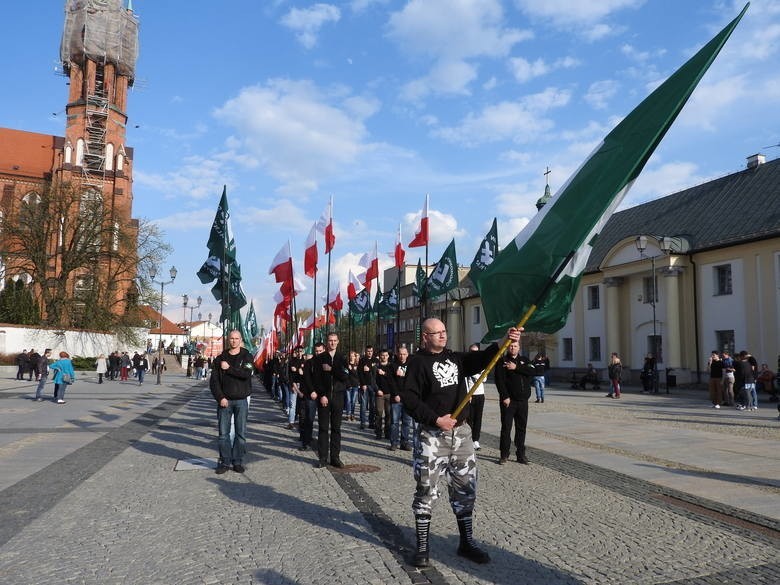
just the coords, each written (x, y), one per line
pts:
(15, 338)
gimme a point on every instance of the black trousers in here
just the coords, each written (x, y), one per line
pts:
(517, 413)
(306, 409)
(329, 419)
(475, 417)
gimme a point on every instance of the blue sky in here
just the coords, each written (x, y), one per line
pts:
(377, 103)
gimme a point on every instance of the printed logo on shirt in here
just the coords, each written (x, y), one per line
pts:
(446, 373)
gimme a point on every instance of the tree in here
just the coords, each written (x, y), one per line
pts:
(87, 268)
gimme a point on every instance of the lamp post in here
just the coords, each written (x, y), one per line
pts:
(667, 245)
(152, 274)
(188, 326)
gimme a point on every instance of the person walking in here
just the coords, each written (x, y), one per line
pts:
(539, 369)
(308, 407)
(231, 386)
(142, 365)
(42, 367)
(715, 386)
(434, 386)
(514, 376)
(330, 373)
(648, 374)
(64, 376)
(614, 371)
(101, 367)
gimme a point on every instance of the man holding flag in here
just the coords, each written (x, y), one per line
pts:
(434, 385)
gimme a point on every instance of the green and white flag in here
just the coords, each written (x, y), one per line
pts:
(444, 277)
(221, 245)
(487, 252)
(418, 287)
(388, 306)
(360, 306)
(558, 240)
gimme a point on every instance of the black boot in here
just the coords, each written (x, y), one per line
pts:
(422, 525)
(468, 547)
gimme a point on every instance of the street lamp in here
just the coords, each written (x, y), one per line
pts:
(152, 274)
(188, 326)
(667, 245)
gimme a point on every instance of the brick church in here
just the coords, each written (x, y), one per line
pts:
(98, 52)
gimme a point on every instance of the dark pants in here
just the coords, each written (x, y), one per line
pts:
(517, 413)
(307, 410)
(329, 419)
(475, 418)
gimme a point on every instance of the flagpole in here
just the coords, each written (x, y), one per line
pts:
(327, 296)
(398, 310)
(539, 299)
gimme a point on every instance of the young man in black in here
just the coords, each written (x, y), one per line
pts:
(231, 384)
(308, 409)
(329, 376)
(514, 376)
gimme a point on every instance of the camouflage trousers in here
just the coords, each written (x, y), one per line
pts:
(448, 453)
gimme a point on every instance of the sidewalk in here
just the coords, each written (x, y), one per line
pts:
(118, 484)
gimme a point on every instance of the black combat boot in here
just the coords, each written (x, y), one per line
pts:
(468, 547)
(422, 525)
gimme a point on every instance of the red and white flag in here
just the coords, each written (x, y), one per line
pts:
(325, 226)
(310, 253)
(399, 254)
(370, 262)
(282, 267)
(334, 301)
(291, 288)
(354, 286)
(421, 235)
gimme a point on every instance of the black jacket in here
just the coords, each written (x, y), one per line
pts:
(514, 384)
(234, 383)
(326, 383)
(435, 384)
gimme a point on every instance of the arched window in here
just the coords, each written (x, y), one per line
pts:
(68, 153)
(31, 198)
(120, 159)
(109, 157)
(80, 152)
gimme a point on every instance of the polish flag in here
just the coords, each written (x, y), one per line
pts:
(421, 235)
(282, 267)
(325, 226)
(335, 302)
(308, 323)
(399, 254)
(354, 286)
(291, 287)
(310, 253)
(370, 262)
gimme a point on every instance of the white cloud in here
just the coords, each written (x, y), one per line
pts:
(661, 181)
(705, 109)
(524, 70)
(471, 30)
(600, 92)
(572, 12)
(522, 121)
(297, 132)
(307, 22)
(442, 227)
(197, 178)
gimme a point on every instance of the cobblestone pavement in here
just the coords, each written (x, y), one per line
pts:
(98, 492)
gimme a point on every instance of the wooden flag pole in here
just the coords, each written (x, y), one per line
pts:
(506, 343)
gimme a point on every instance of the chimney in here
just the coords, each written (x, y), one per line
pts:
(755, 160)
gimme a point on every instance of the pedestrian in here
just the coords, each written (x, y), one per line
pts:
(353, 386)
(42, 368)
(614, 371)
(308, 408)
(296, 378)
(231, 386)
(434, 386)
(385, 390)
(101, 367)
(477, 406)
(32, 368)
(539, 368)
(729, 378)
(64, 376)
(22, 363)
(715, 386)
(514, 377)
(648, 374)
(746, 374)
(124, 366)
(329, 377)
(367, 392)
(142, 365)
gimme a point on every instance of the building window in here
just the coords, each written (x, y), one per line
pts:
(724, 341)
(594, 345)
(568, 349)
(593, 297)
(649, 289)
(476, 316)
(655, 347)
(722, 275)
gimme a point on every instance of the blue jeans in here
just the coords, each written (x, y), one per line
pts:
(367, 399)
(141, 373)
(396, 413)
(539, 385)
(349, 400)
(41, 384)
(292, 405)
(408, 428)
(751, 395)
(232, 452)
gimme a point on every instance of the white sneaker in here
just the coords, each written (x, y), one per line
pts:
(716, 406)
(476, 446)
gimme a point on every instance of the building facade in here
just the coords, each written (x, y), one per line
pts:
(98, 54)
